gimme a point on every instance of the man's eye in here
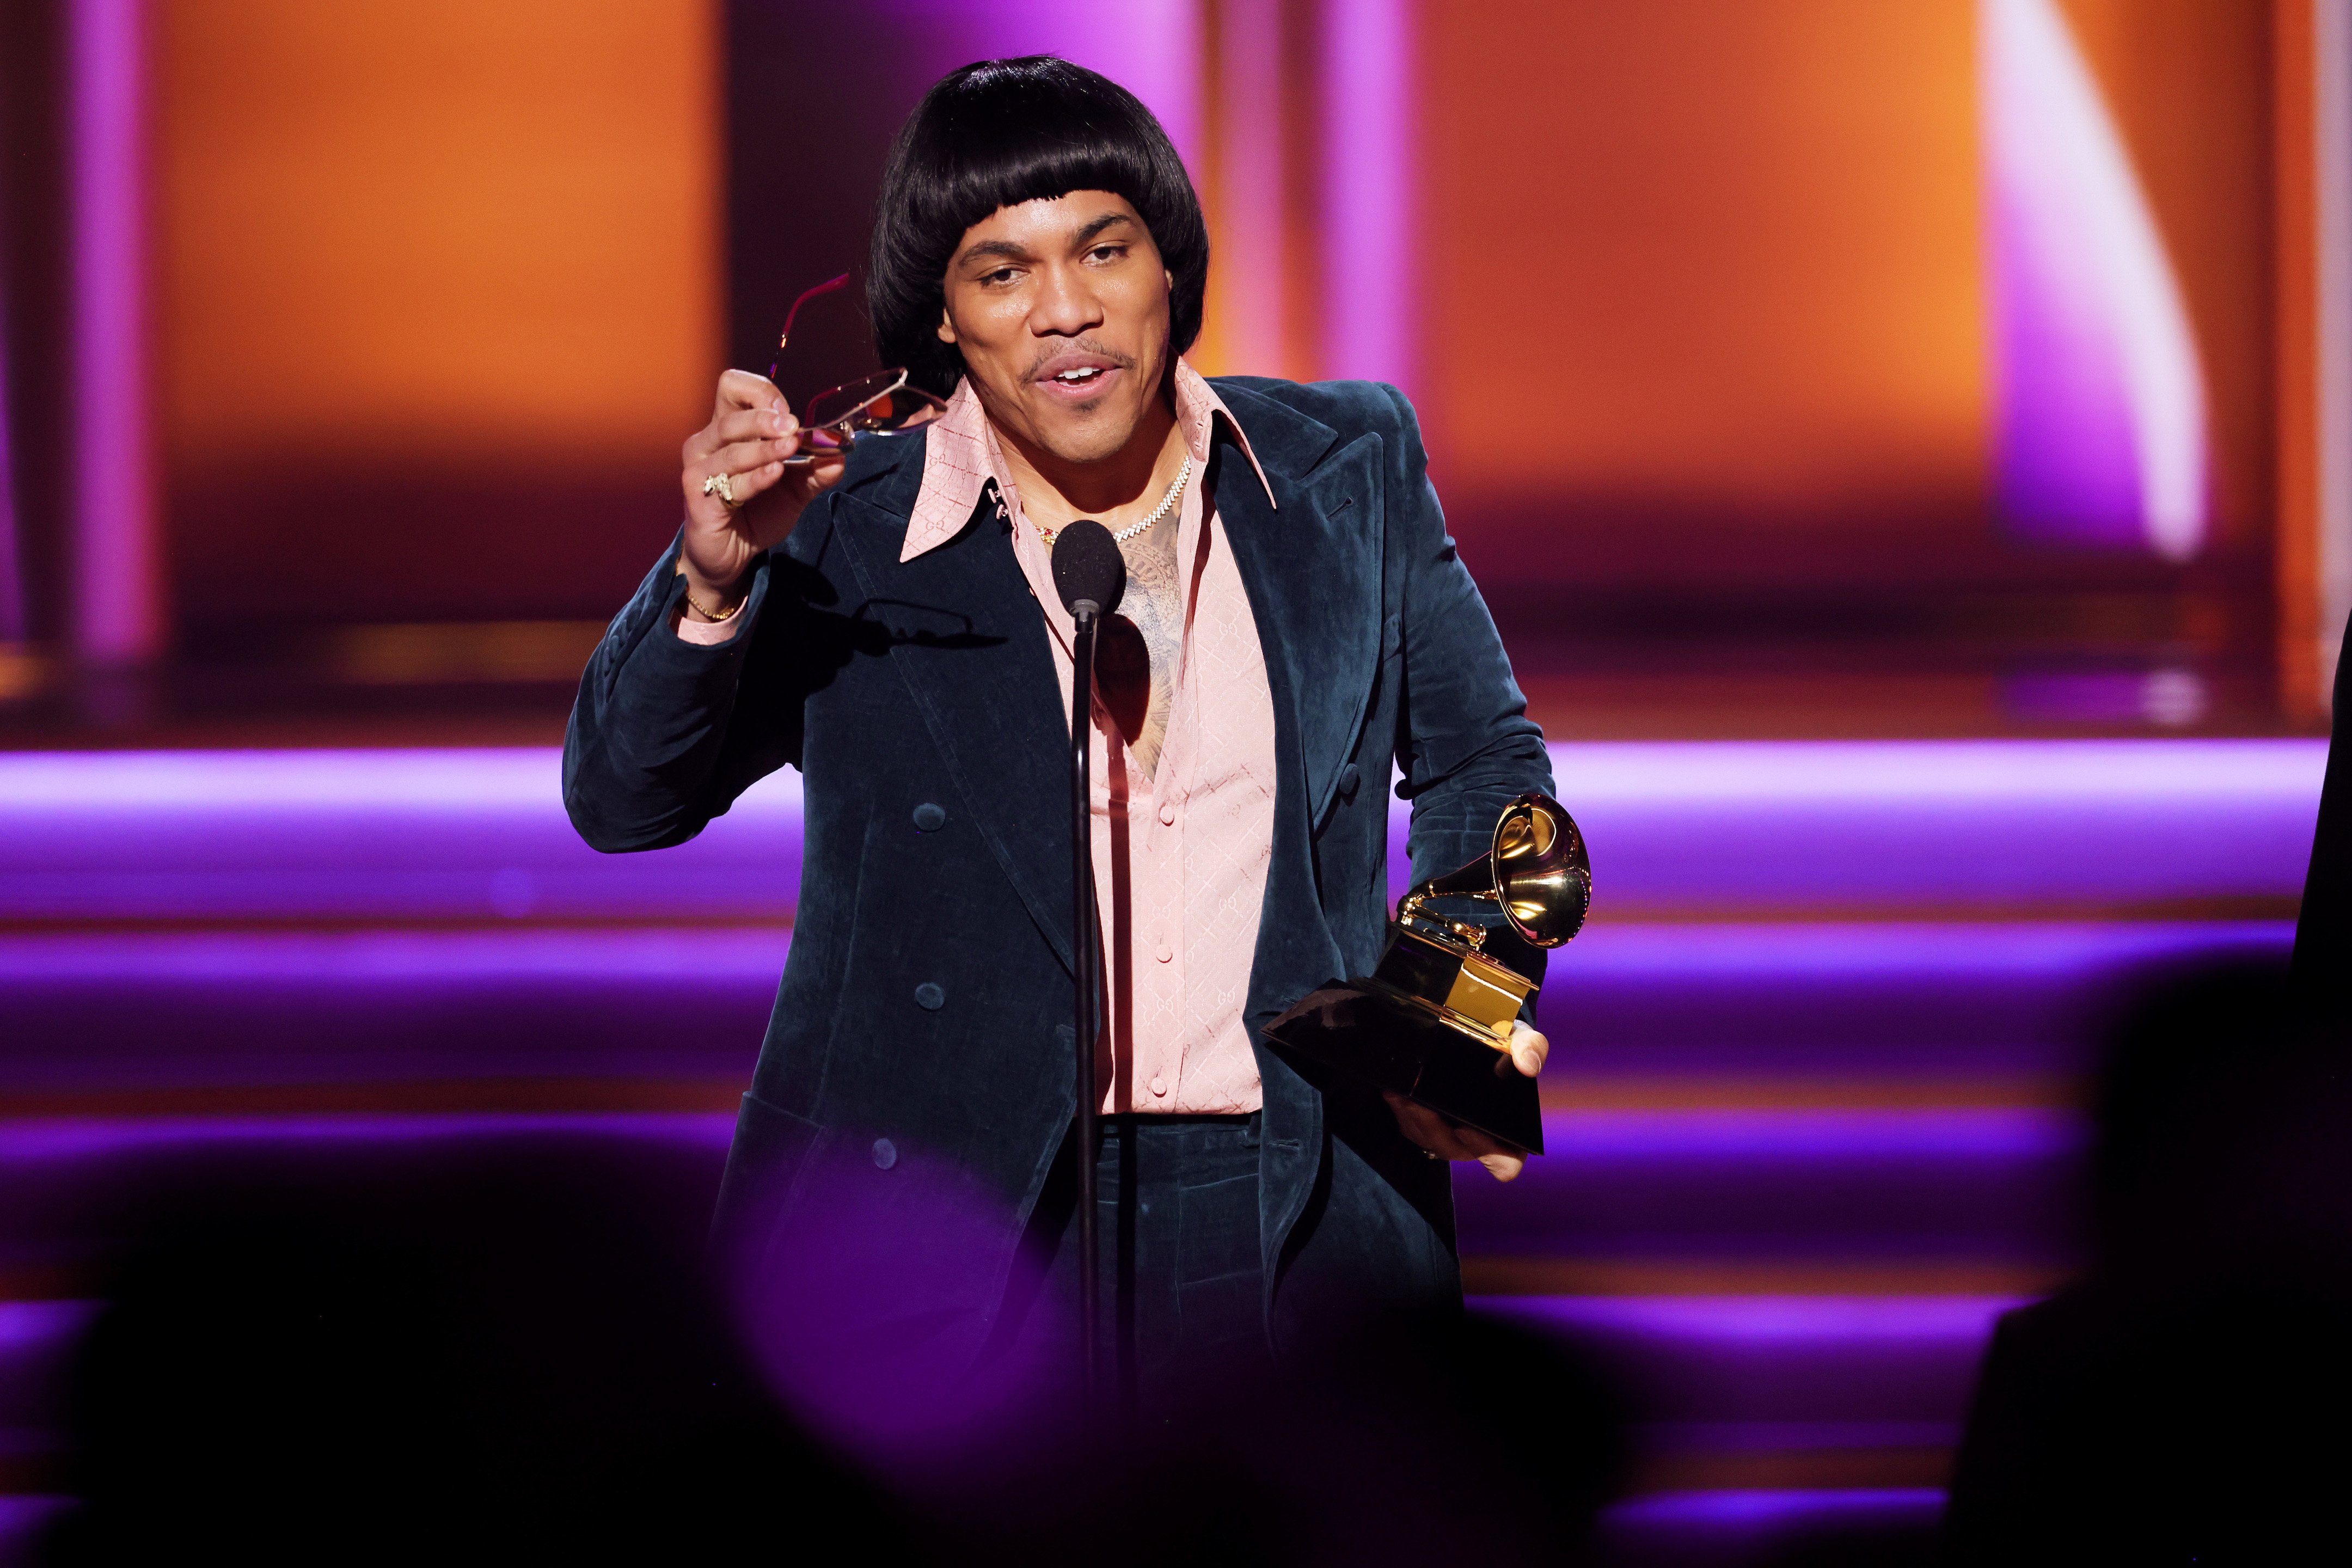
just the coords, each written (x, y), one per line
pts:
(1001, 275)
(1107, 252)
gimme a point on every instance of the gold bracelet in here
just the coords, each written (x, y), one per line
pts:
(712, 616)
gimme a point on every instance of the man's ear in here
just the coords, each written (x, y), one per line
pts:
(946, 328)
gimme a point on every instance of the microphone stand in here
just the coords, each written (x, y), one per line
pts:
(1090, 577)
(1086, 961)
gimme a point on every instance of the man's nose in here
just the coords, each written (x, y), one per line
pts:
(1066, 304)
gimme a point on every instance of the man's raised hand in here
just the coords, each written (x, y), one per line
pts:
(752, 432)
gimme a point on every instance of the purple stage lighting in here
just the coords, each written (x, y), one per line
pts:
(2101, 423)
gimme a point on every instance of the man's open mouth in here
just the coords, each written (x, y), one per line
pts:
(1077, 372)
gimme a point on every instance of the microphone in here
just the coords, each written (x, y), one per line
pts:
(1091, 574)
(1088, 571)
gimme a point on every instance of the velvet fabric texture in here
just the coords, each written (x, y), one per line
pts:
(918, 1071)
(1180, 1275)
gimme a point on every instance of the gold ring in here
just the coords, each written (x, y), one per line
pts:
(724, 487)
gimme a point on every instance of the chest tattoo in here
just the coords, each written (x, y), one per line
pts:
(1137, 661)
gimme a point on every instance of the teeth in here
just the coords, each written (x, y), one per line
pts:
(1089, 373)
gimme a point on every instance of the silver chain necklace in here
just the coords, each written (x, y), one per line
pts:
(1183, 472)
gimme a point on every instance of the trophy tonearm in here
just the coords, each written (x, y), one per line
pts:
(1539, 876)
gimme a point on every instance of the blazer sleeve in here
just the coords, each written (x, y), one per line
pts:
(2323, 928)
(666, 733)
(1465, 743)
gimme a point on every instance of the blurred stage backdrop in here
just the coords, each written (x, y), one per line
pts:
(1908, 448)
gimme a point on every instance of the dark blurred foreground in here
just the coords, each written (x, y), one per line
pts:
(512, 1353)
(424, 1355)
(459, 1348)
(2190, 1399)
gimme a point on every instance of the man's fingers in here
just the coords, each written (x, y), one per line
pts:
(754, 481)
(821, 474)
(1530, 1049)
(1434, 1132)
(1476, 1144)
(745, 456)
(736, 427)
(1503, 1167)
(1449, 1141)
(1502, 1161)
(736, 414)
(745, 483)
(1428, 1129)
(753, 424)
(741, 389)
(1419, 1124)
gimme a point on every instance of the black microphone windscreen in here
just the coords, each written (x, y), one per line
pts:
(1088, 567)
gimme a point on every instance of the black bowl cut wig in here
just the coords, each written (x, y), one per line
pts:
(994, 134)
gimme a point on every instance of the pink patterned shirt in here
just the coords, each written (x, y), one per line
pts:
(1180, 857)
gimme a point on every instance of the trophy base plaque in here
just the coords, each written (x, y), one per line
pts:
(1432, 1023)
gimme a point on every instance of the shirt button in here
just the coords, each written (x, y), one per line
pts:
(929, 997)
(1162, 951)
(1160, 1086)
(1168, 813)
(929, 817)
(885, 1153)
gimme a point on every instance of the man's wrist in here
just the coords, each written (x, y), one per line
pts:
(706, 601)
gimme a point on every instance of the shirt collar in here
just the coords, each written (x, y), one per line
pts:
(959, 459)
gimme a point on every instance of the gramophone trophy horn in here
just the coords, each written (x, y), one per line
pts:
(1433, 1019)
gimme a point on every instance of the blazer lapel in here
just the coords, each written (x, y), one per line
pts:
(1312, 567)
(973, 646)
(969, 640)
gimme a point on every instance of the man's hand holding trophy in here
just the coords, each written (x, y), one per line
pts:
(1434, 1020)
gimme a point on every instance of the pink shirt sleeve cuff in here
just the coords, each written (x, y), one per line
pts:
(708, 634)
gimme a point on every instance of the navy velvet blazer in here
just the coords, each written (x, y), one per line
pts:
(926, 1000)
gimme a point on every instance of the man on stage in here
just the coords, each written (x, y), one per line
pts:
(1296, 624)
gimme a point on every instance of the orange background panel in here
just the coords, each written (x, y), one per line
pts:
(1708, 257)
(2295, 126)
(447, 265)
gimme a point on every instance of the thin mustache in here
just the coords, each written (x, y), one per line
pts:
(1048, 356)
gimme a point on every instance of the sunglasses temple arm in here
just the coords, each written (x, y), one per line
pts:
(827, 286)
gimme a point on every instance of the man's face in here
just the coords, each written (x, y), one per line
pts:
(1061, 309)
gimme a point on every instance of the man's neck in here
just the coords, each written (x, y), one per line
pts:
(1119, 489)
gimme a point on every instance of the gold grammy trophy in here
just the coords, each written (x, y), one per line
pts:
(1432, 1021)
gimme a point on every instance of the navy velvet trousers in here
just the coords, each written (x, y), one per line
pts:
(1182, 1289)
